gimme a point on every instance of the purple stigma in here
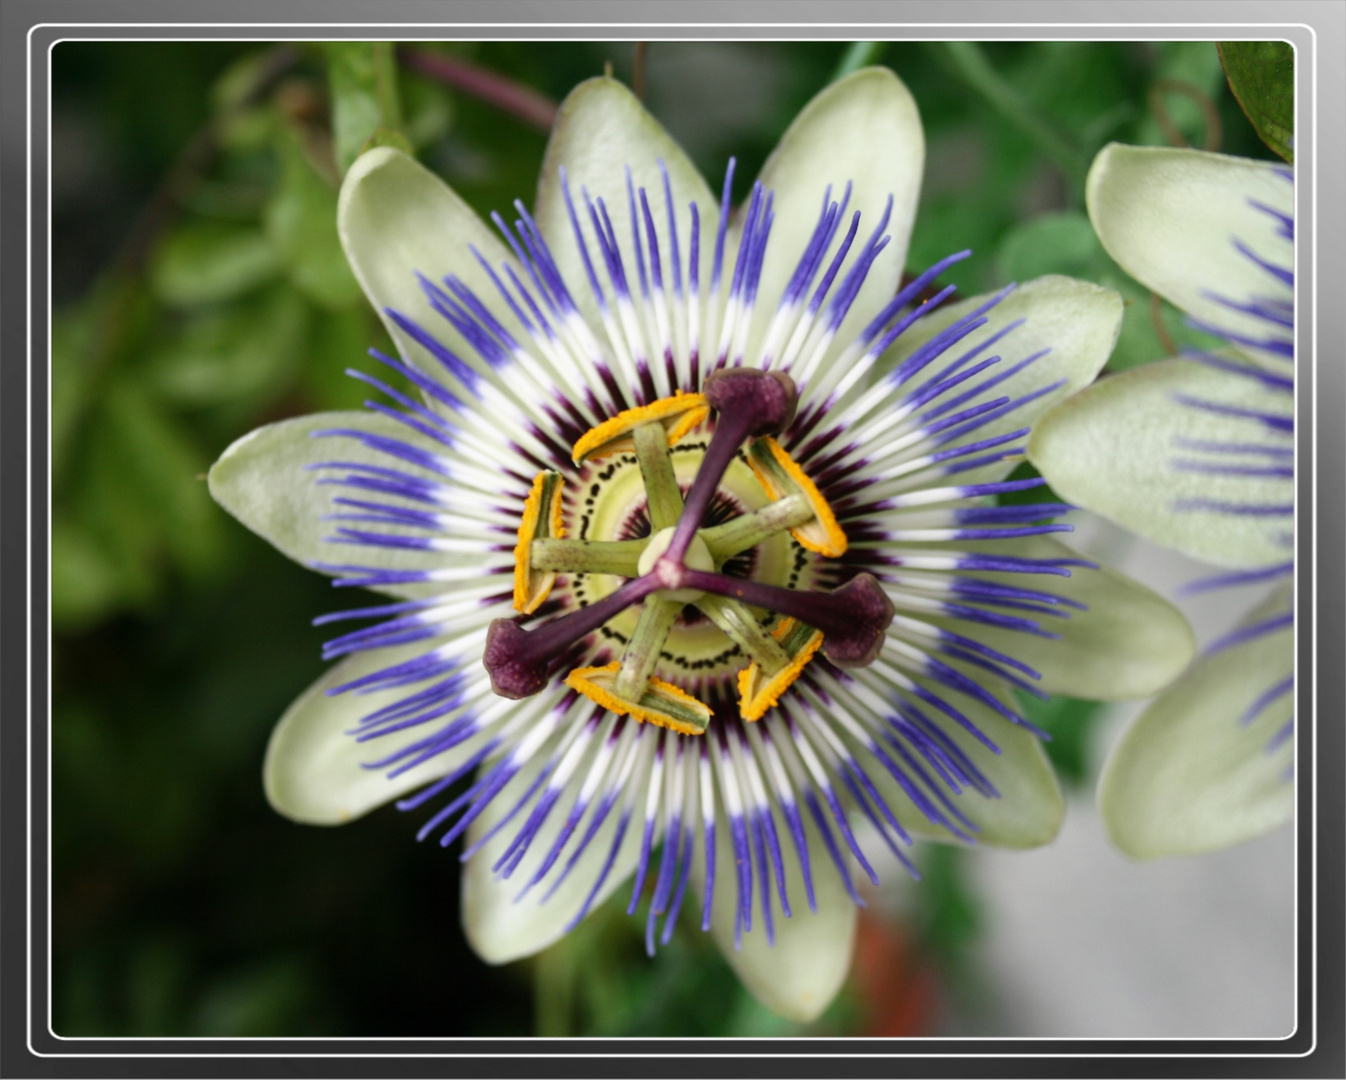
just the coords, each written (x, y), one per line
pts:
(519, 661)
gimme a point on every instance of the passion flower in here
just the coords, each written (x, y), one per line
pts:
(692, 539)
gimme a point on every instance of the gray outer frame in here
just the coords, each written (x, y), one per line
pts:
(1316, 27)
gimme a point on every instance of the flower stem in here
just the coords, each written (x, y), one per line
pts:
(522, 102)
(858, 54)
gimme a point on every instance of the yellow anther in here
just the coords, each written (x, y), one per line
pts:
(542, 519)
(777, 472)
(756, 694)
(661, 703)
(679, 414)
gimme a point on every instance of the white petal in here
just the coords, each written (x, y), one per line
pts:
(803, 971)
(1170, 217)
(1076, 321)
(265, 480)
(1129, 643)
(314, 770)
(865, 130)
(1030, 807)
(1187, 776)
(1112, 450)
(601, 130)
(396, 218)
(501, 929)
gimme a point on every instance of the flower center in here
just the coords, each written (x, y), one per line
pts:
(759, 630)
(609, 504)
(698, 557)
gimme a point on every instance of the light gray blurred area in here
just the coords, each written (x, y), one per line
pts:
(1081, 941)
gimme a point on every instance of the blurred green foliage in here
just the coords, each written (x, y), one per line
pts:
(200, 291)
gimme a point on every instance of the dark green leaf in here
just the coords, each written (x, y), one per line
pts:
(155, 985)
(1183, 88)
(71, 376)
(948, 910)
(428, 109)
(1140, 340)
(338, 341)
(259, 1001)
(1262, 76)
(1025, 471)
(167, 470)
(859, 54)
(237, 84)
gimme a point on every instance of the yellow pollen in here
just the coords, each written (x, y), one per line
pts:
(678, 414)
(756, 695)
(539, 521)
(780, 476)
(661, 703)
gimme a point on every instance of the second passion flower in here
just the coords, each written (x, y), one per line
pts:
(691, 544)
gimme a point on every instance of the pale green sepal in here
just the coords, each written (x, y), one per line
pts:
(265, 481)
(1170, 218)
(396, 218)
(1129, 642)
(799, 975)
(314, 771)
(1030, 808)
(501, 929)
(601, 129)
(1112, 448)
(863, 129)
(1077, 321)
(1186, 776)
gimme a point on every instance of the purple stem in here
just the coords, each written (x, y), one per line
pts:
(506, 95)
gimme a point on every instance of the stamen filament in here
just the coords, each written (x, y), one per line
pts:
(749, 530)
(656, 469)
(657, 616)
(588, 556)
(739, 625)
